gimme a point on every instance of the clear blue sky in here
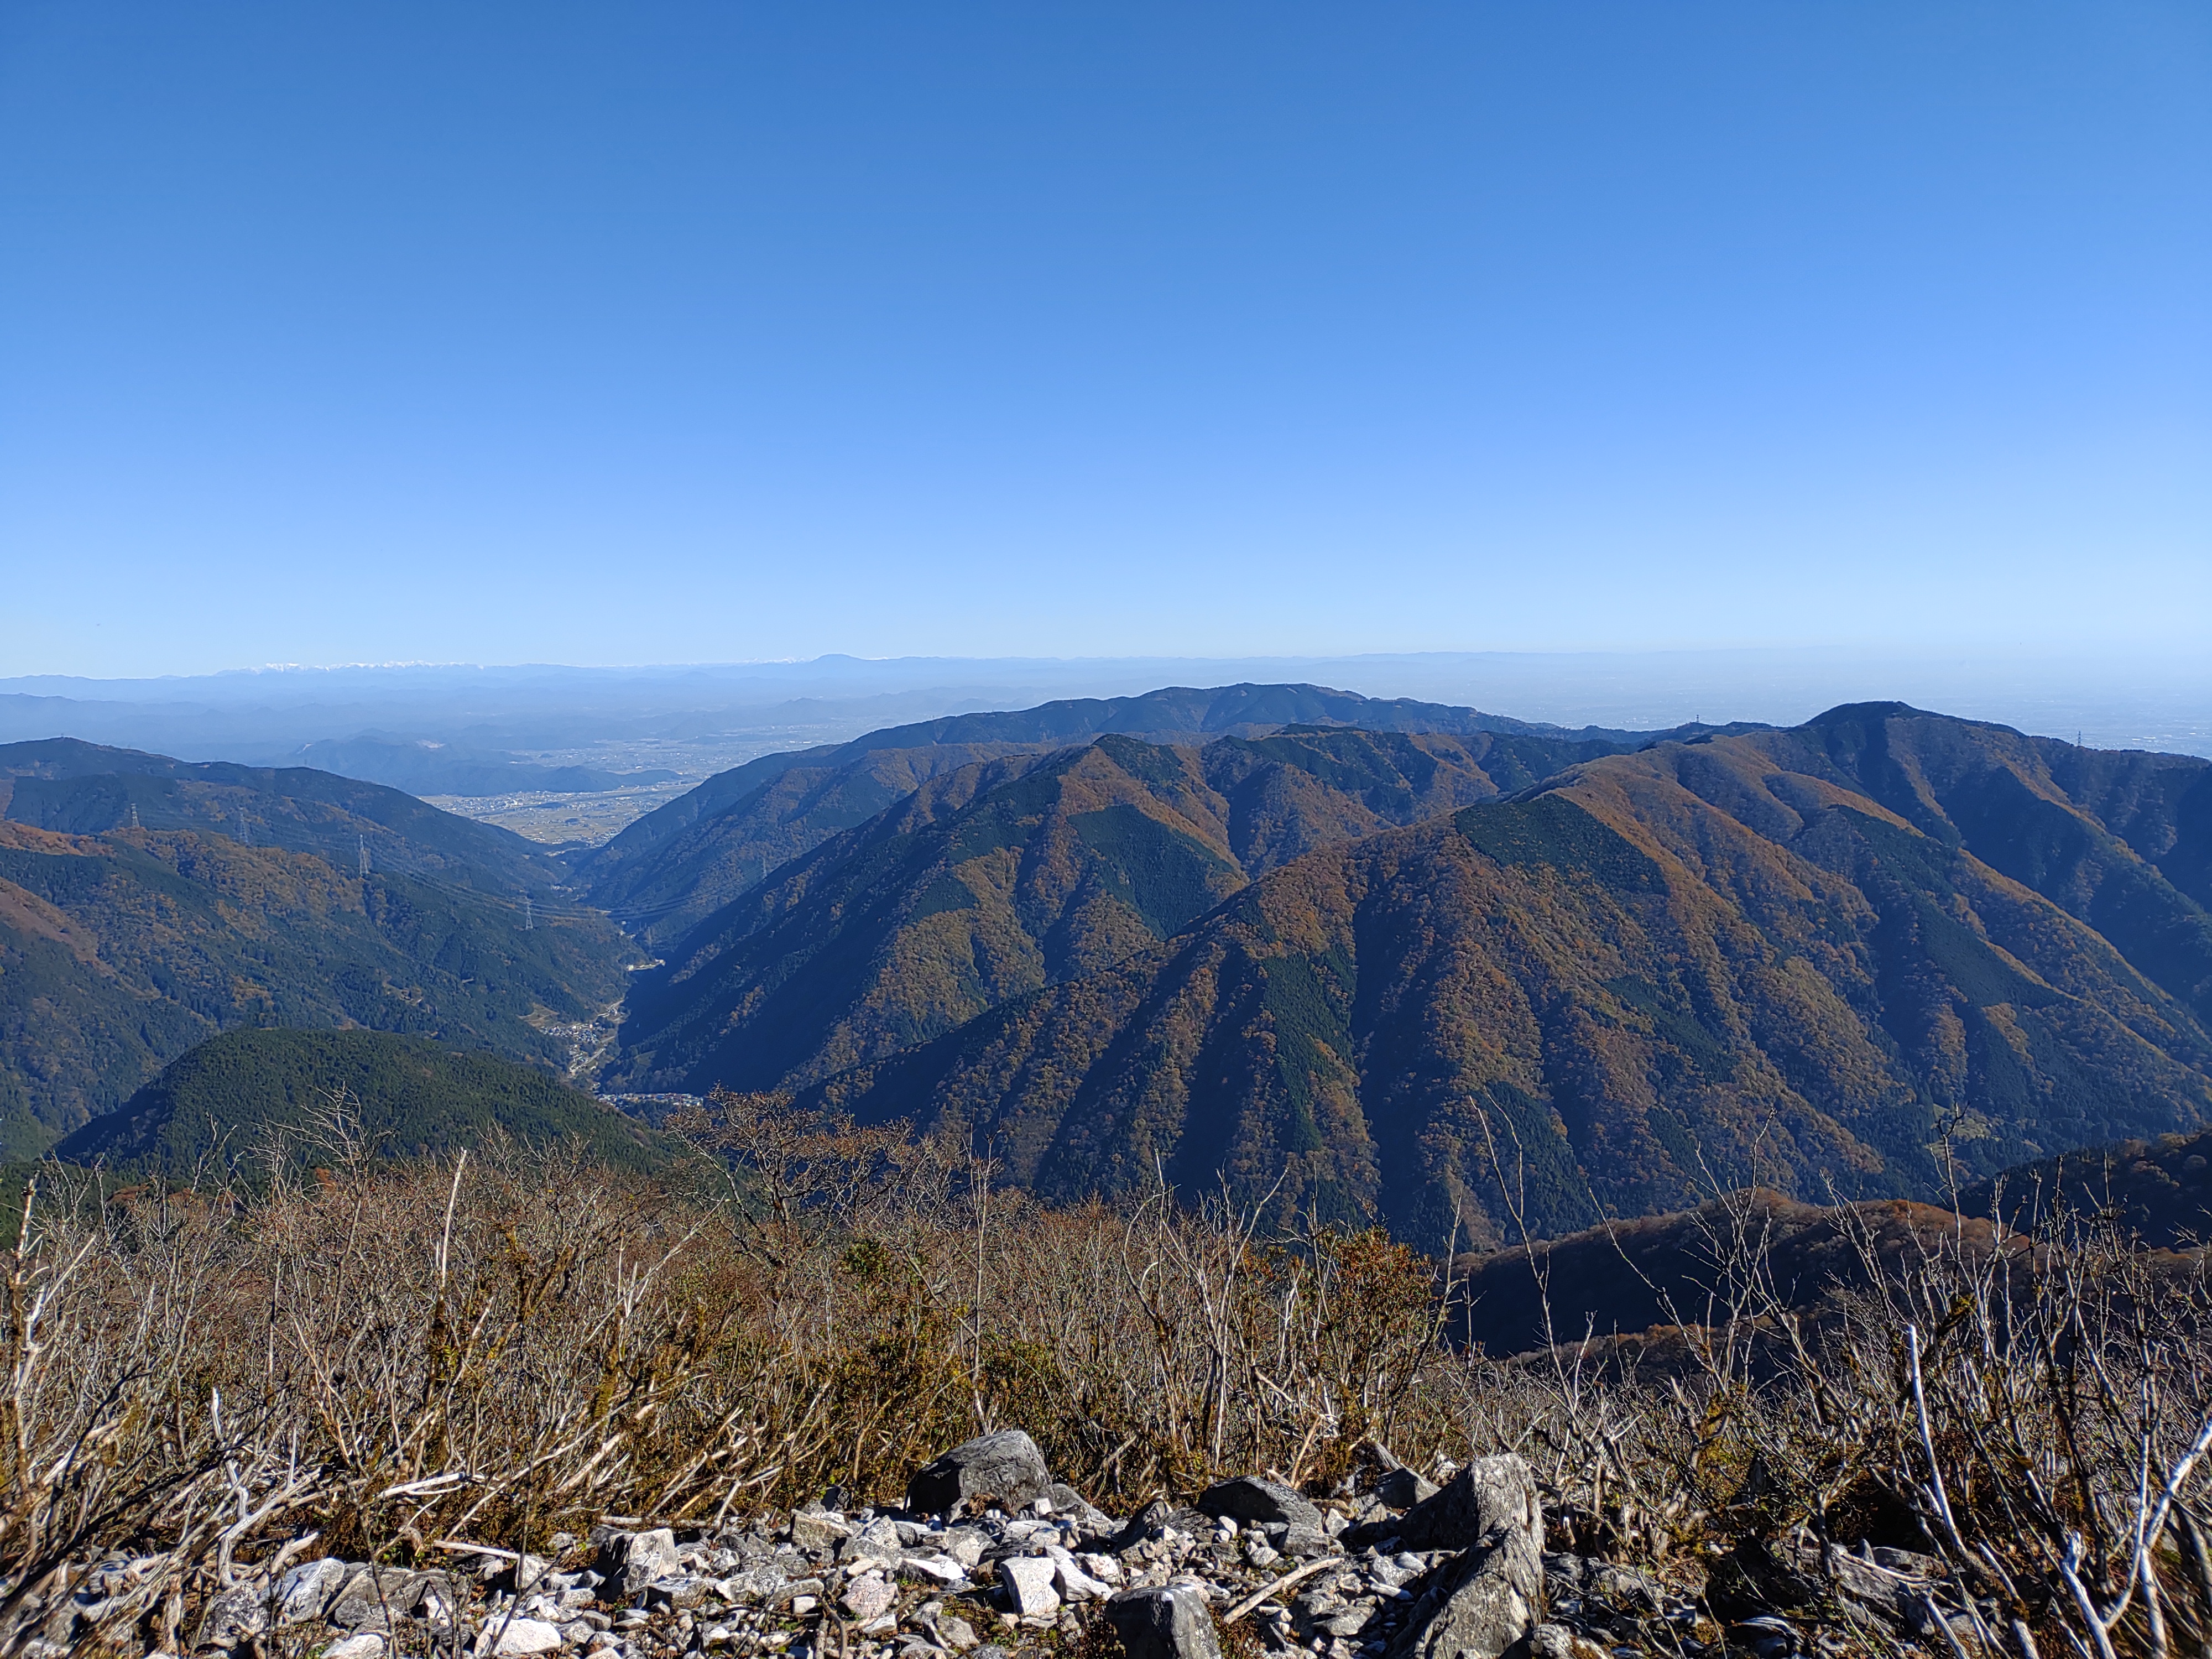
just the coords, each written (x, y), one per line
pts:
(623, 333)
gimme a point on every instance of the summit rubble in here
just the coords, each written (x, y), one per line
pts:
(1385, 1567)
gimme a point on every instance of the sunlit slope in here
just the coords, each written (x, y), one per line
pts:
(1706, 961)
(1001, 877)
(673, 867)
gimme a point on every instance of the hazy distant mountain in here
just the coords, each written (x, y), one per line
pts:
(238, 900)
(1803, 956)
(424, 768)
(669, 870)
(232, 1097)
(1005, 876)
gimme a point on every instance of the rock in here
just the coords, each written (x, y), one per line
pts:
(304, 1592)
(966, 1545)
(815, 1530)
(1624, 1590)
(868, 1598)
(1091, 1521)
(935, 1569)
(1074, 1583)
(234, 1618)
(1249, 1498)
(1029, 1588)
(633, 1560)
(1557, 1642)
(956, 1632)
(1006, 1466)
(362, 1644)
(1486, 1494)
(1402, 1488)
(1482, 1603)
(515, 1636)
(1171, 1621)
(1769, 1635)
(372, 1598)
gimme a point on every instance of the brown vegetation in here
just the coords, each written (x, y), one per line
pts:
(518, 1343)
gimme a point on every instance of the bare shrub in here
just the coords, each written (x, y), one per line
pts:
(400, 1360)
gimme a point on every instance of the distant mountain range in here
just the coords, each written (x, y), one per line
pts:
(671, 869)
(1838, 955)
(147, 904)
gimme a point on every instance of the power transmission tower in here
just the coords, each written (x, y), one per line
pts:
(134, 815)
(364, 857)
(245, 836)
(528, 924)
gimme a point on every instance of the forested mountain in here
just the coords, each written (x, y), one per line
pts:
(1823, 956)
(231, 1100)
(673, 867)
(122, 949)
(84, 789)
(1005, 876)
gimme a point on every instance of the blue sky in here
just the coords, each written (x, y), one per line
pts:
(667, 332)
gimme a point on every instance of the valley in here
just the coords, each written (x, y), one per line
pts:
(1375, 959)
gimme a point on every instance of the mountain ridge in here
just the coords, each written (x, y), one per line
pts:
(1003, 876)
(664, 873)
(1725, 951)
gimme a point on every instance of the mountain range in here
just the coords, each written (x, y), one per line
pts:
(1002, 877)
(1367, 960)
(1865, 955)
(671, 869)
(147, 904)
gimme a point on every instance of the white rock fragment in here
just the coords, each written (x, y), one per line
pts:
(518, 1636)
(1028, 1581)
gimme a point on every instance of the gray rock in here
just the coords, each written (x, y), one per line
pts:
(1482, 1603)
(374, 1597)
(1171, 1621)
(1249, 1498)
(1006, 1466)
(234, 1618)
(816, 1530)
(1029, 1586)
(632, 1560)
(307, 1589)
(1091, 1521)
(1402, 1488)
(869, 1598)
(1488, 1492)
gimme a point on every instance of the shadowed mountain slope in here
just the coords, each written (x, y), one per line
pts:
(1003, 877)
(83, 789)
(1729, 960)
(232, 1098)
(119, 952)
(237, 899)
(672, 868)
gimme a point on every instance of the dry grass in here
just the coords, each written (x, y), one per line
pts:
(521, 1344)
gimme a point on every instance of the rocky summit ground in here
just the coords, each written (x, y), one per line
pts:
(992, 1558)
